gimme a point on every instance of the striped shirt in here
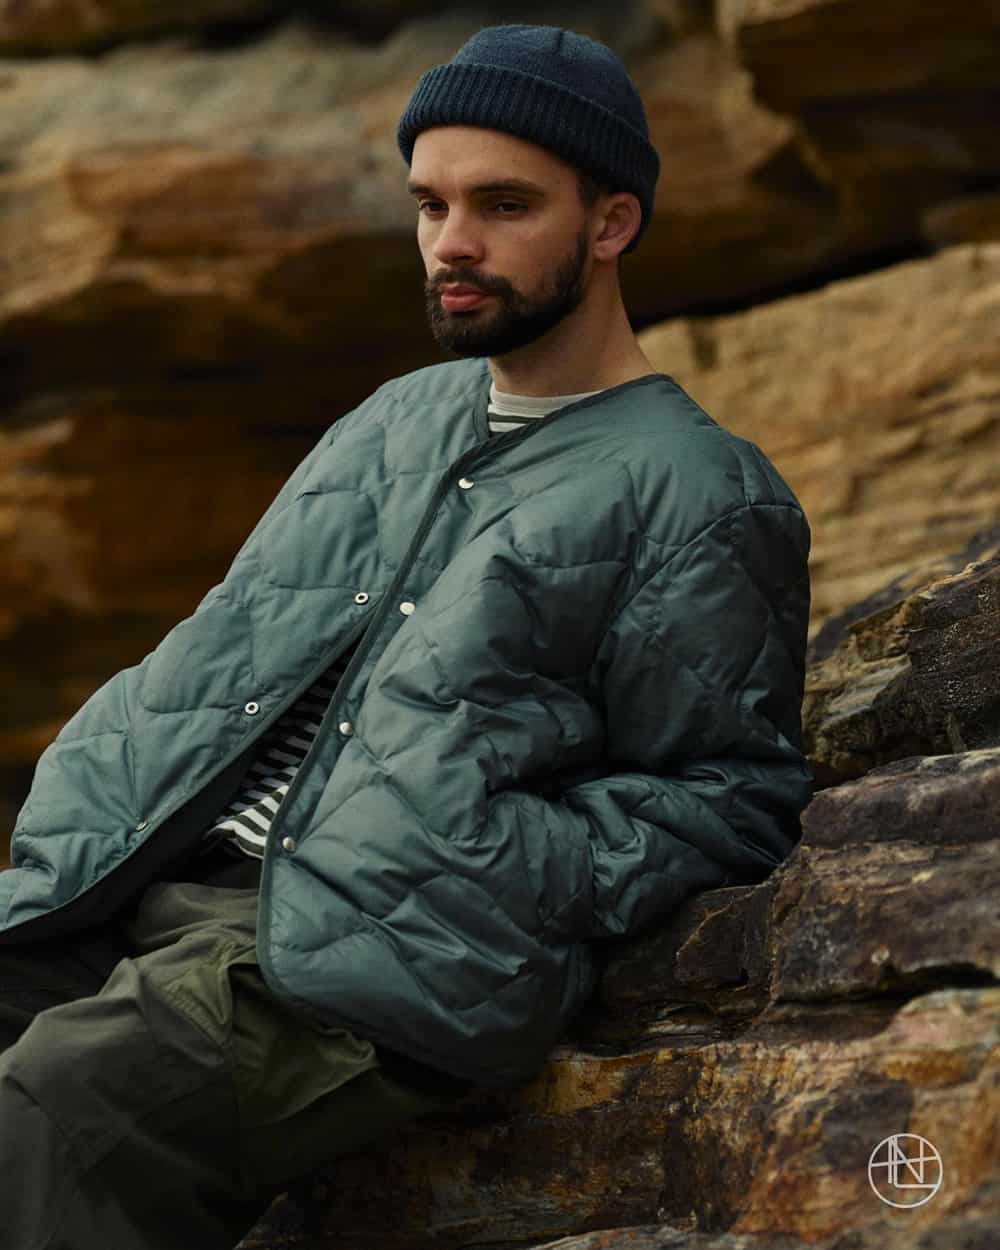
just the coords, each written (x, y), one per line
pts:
(281, 750)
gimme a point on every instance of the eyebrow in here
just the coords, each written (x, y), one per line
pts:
(485, 188)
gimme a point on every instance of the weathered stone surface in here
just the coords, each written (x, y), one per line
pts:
(203, 207)
(971, 1229)
(967, 219)
(766, 1133)
(873, 917)
(893, 889)
(804, 50)
(119, 507)
(735, 1071)
(936, 799)
(737, 211)
(877, 397)
(39, 26)
(67, 25)
(894, 104)
(715, 952)
(917, 675)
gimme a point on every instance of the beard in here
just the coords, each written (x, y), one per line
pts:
(517, 319)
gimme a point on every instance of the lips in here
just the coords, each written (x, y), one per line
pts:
(456, 298)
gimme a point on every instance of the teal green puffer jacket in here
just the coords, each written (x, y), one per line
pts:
(575, 704)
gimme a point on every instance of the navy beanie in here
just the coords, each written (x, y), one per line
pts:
(561, 90)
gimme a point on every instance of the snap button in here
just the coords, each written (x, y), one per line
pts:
(361, 596)
(465, 483)
(141, 825)
(407, 607)
(289, 844)
(251, 708)
(345, 727)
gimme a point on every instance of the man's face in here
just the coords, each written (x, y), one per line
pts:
(503, 236)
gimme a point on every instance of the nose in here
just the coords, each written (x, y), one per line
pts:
(458, 241)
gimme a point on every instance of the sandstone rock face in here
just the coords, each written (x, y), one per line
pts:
(911, 671)
(119, 506)
(69, 25)
(732, 1079)
(877, 397)
(737, 212)
(39, 26)
(894, 104)
(201, 207)
(968, 218)
(207, 256)
(806, 50)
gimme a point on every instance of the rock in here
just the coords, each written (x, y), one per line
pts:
(964, 1229)
(917, 675)
(36, 26)
(968, 219)
(876, 397)
(119, 507)
(715, 953)
(941, 799)
(810, 50)
(198, 206)
(735, 1074)
(46, 26)
(214, 221)
(768, 1133)
(892, 889)
(894, 104)
(737, 211)
(903, 917)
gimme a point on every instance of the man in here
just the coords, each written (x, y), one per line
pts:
(510, 667)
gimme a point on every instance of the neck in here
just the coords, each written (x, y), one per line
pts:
(589, 350)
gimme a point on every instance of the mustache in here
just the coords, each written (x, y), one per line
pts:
(488, 284)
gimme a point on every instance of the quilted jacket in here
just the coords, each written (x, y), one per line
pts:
(575, 703)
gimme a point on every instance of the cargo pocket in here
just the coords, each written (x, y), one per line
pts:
(281, 1064)
(203, 991)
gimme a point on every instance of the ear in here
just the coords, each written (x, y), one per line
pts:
(621, 216)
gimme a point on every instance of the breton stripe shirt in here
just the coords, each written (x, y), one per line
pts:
(281, 750)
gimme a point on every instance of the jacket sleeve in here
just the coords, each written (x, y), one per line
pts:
(107, 709)
(701, 673)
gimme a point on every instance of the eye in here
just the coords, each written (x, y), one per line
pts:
(508, 208)
(428, 206)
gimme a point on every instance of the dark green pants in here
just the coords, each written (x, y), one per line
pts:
(154, 1095)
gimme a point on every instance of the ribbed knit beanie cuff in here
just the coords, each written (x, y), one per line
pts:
(556, 88)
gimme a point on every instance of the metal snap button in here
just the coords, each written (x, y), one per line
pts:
(289, 844)
(407, 607)
(346, 727)
(465, 483)
(141, 825)
(361, 596)
(251, 708)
